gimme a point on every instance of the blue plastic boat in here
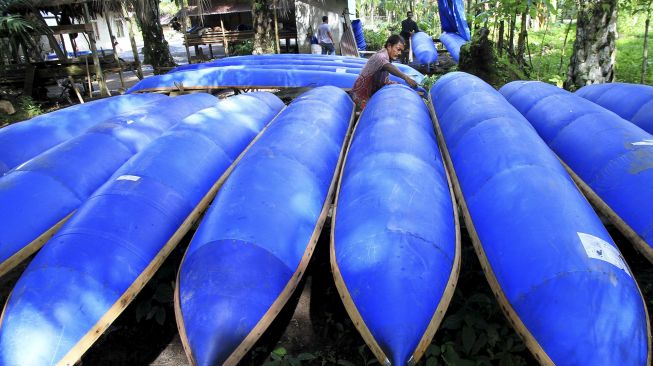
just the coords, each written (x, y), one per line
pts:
(452, 42)
(261, 74)
(214, 78)
(452, 18)
(256, 239)
(455, 31)
(395, 250)
(556, 272)
(84, 277)
(37, 196)
(632, 102)
(24, 140)
(423, 48)
(294, 61)
(611, 158)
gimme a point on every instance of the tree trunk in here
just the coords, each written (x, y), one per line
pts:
(263, 30)
(501, 34)
(521, 41)
(564, 45)
(155, 48)
(511, 35)
(645, 58)
(592, 60)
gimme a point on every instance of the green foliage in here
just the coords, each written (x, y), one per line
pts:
(375, 39)
(168, 7)
(429, 80)
(547, 52)
(242, 48)
(26, 108)
(155, 306)
(29, 107)
(476, 335)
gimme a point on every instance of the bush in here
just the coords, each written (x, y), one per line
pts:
(26, 108)
(242, 48)
(375, 39)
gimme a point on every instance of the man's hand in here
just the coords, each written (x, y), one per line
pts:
(410, 82)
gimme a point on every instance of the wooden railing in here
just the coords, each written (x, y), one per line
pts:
(217, 37)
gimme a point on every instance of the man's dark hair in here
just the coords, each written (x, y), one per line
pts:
(325, 18)
(394, 39)
(410, 13)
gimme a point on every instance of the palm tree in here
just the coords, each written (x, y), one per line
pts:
(262, 11)
(18, 29)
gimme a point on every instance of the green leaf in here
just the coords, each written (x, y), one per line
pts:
(481, 342)
(452, 322)
(509, 343)
(281, 352)
(469, 337)
(433, 350)
(432, 361)
(492, 335)
(306, 356)
(161, 316)
(142, 310)
(152, 312)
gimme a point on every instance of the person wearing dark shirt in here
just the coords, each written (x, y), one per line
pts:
(408, 27)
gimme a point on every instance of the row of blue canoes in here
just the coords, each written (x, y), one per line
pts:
(395, 241)
(265, 71)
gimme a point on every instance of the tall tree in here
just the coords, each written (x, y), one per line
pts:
(593, 57)
(155, 46)
(263, 27)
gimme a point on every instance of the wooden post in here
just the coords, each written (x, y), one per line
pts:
(104, 90)
(224, 38)
(184, 29)
(63, 46)
(51, 40)
(88, 78)
(132, 40)
(72, 84)
(277, 47)
(115, 52)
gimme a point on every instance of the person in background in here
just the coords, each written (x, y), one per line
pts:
(408, 28)
(376, 72)
(325, 38)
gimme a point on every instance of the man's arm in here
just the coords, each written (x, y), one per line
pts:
(392, 69)
(331, 36)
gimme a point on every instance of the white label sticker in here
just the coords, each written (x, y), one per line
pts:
(341, 69)
(643, 143)
(133, 178)
(598, 248)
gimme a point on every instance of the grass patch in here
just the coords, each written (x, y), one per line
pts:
(547, 51)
